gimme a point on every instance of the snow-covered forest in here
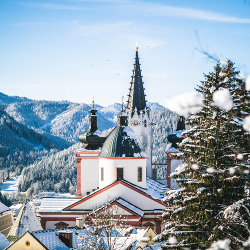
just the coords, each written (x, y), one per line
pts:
(40, 138)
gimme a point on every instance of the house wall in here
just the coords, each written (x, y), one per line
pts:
(89, 174)
(130, 170)
(51, 224)
(21, 244)
(145, 136)
(6, 222)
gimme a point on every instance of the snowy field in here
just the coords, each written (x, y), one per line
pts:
(10, 186)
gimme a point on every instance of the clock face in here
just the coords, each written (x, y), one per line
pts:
(135, 123)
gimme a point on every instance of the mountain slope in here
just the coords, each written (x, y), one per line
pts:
(5, 99)
(54, 173)
(16, 138)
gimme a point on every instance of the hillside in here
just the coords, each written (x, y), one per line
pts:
(54, 173)
(17, 141)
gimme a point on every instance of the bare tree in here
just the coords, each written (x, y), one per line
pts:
(106, 228)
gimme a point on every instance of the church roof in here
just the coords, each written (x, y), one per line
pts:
(136, 97)
(155, 191)
(25, 221)
(122, 141)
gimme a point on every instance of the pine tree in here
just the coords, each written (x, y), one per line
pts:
(215, 170)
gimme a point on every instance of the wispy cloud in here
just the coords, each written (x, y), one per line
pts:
(143, 8)
(36, 24)
(99, 28)
(188, 13)
(53, 6)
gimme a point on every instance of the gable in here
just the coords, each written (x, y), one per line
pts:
(118, 189)
(27, 241)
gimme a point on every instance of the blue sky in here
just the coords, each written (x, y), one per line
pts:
(75, 49)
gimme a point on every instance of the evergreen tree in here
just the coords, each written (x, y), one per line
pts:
(215, 170)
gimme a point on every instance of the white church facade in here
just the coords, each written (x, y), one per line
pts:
(116, 169)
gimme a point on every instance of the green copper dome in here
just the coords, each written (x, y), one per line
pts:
(122, 141)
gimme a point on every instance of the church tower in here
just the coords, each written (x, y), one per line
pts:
(139, 116)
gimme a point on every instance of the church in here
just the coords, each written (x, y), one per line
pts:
(116, 169)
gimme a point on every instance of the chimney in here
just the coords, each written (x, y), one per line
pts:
(66, 238)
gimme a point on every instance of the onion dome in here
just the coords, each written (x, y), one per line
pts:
(122, 141)
(91, 140)
(176, 137)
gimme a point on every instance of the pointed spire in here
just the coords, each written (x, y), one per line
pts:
(136, 97)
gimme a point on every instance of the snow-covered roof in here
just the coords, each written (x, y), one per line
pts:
(50, 238)
(130, 206)
(25, 221)
(173, 150)
(4, 242)
(3, 208)
(154, 188)
(56, 204)
(88, 150)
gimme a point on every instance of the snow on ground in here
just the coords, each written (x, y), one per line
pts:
(10, 186)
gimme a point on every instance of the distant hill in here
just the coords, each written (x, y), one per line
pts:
(6, 99)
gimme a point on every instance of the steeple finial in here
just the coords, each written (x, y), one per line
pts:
(122, 102)
(93, 102)
(137, 48)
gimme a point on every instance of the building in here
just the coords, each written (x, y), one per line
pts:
(26, 220)
(173, 160)
(115, 170)
(6, 219)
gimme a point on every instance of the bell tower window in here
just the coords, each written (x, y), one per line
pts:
(139, 174)
(119, 173)
(102, 174)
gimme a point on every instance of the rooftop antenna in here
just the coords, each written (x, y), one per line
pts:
(93, 102)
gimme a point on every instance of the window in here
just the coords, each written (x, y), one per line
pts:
(102, 174)
(119, 173)
(139, 174)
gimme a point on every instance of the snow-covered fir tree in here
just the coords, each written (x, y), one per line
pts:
(214, 176)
